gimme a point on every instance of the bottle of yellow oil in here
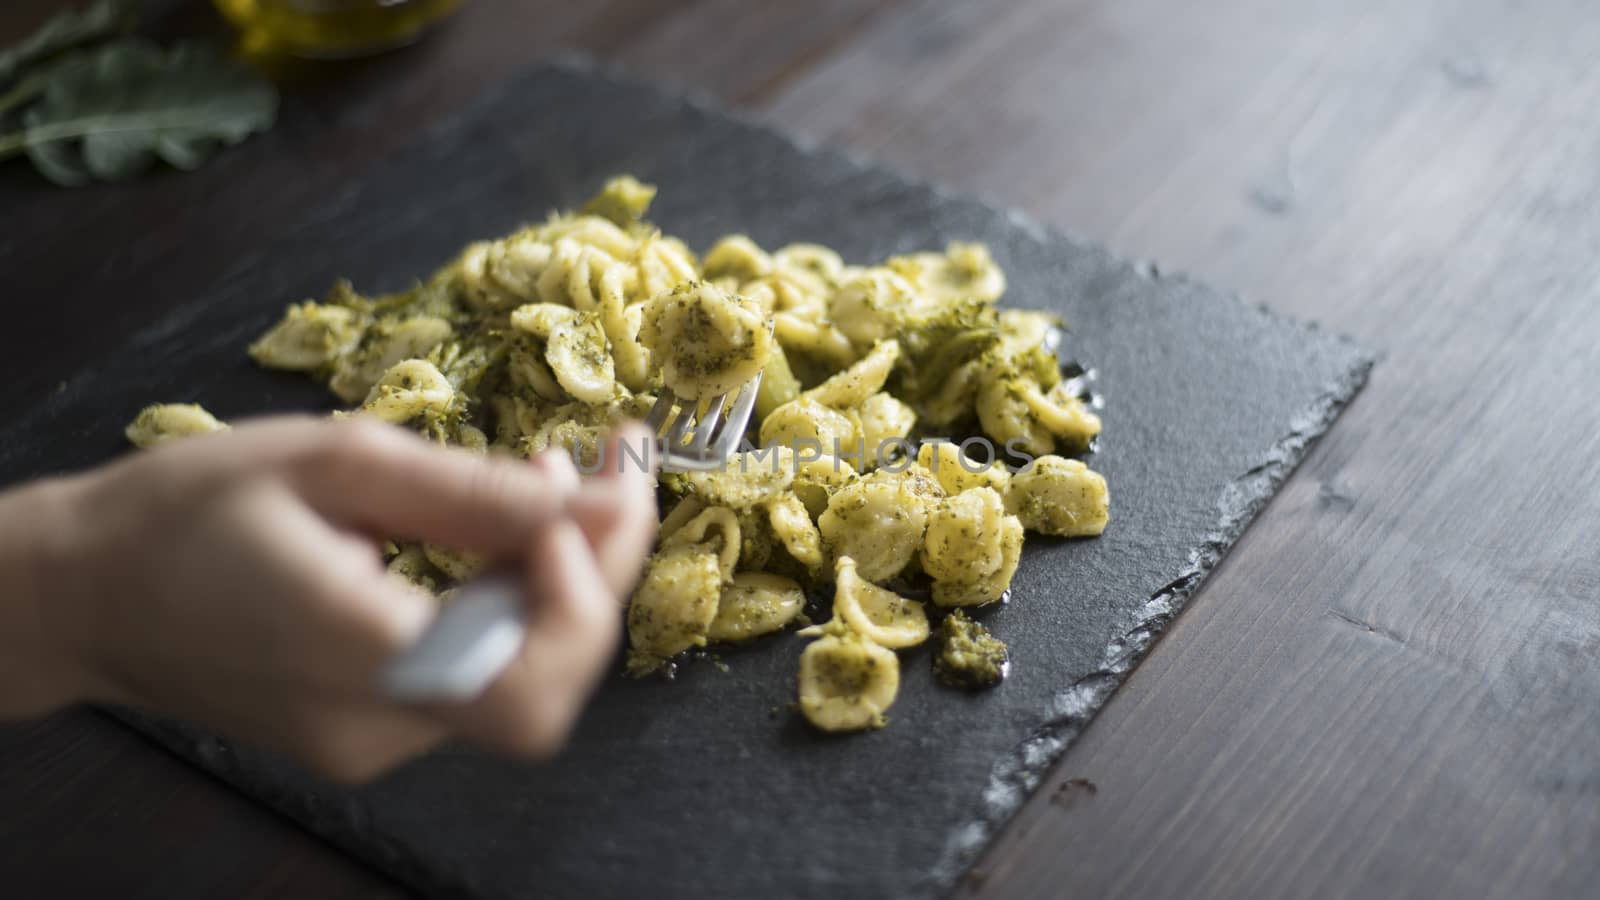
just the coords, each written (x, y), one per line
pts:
(332, 28)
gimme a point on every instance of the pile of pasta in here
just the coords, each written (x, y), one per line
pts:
(551, 336)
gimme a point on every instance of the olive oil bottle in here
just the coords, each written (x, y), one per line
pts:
(332, 28)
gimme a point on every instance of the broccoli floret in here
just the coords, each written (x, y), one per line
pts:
(934, 344)
(968, 655)
(624, 200)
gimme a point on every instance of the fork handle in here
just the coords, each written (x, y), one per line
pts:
(466, 646)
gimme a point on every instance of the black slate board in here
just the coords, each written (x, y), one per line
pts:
(710, 786)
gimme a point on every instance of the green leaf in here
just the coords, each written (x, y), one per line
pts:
(66, 30)
(108, 114)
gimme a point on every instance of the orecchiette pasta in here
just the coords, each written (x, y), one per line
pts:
(163, 422)
(754, 604)
(957, 472)
(408, 390)
(706, 340)
(880, 525)
(847, 682)
(552, 335)
(791, 524)
(965, 537)
(977, 591)
(384, 344)
(411, 563)
(881, 616)
(309, 337)
(674, 606)
(1060, 496)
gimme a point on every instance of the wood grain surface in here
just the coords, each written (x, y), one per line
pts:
(1390, 687)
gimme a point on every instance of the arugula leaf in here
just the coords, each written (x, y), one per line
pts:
(67, 30)
(107, 114)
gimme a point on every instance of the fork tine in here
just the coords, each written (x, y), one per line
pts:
(707, 426)
(659, 412)
(680, 425)
(738, 419)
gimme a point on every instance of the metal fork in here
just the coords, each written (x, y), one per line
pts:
(473, 638)
(707, 440)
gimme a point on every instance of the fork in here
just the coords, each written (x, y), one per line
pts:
(697, 442)
(478, 633)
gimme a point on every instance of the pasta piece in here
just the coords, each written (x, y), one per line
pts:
(812, 337)
(957, 472)
(820, 264)
(964, 539)
(623, 201)
(881, 616)
(989, 588)
(746, 480)
(1060, 496)
(530, 372)
(621, 322)
(817, 477)
(715, 529)
(1023, 331)
(591, 231)
(541, 319)
(778, 384)
(408, 390)
(578, 357)
(915, 479)
(847, 682)
(497, 275)
(310, 336)
(575, 275)
(806, 423)
(472, 438)
(664, 263)
(706, 341)
(1064, 415)
(1016, 412)
(872, 306)
(755, 604)
(962, 271)
(757, 543)
(674, 606)
(458, 564)
(885, 424)
(880, 525)
(386, 343)
(852, 387)
(683, 513)
(412, 564)
(739, 258)
(791, 524)
(163, 422)
(955, 398)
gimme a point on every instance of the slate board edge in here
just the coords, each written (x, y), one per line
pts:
(1014, 777)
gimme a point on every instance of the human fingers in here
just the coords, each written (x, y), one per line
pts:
(572, 633)
(378, 478)
(616, 509)
(556, 465)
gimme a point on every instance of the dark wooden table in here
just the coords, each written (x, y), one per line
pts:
(1391, 687)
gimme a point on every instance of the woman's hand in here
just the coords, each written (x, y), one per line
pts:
(235, 580)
